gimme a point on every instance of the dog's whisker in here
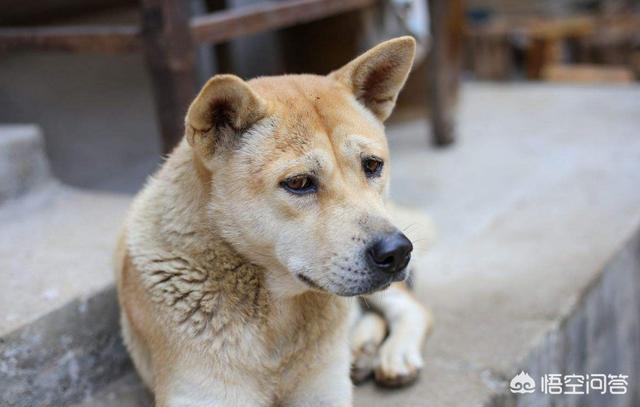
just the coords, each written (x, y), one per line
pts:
(364, 299)
(420, 240)
(409, 227)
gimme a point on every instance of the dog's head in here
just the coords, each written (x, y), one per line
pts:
(299, 170)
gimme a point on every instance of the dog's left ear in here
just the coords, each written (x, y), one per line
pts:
(377, 76)
(224, 108)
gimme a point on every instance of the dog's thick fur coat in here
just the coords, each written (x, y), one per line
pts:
(235, 291)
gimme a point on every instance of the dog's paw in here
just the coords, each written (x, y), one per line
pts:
(364, 361)
(399, 364)
(366, 336)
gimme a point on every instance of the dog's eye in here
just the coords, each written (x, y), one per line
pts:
(372, 166)
(299, 184)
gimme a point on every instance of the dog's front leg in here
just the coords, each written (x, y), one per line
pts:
(326, 385)
(400, 356)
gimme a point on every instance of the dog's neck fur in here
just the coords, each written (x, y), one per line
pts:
(186, 265)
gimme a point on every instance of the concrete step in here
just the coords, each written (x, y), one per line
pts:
(537, 260)
(59, 326)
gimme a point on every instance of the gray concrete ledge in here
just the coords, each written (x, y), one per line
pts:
(56, 246)
(59, 336)
(602, 335)
(65, 355)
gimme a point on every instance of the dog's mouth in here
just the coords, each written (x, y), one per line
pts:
(351, 287)
(374, 285)
(310, 282)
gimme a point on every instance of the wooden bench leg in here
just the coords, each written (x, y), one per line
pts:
(170, 54)
(443, 70)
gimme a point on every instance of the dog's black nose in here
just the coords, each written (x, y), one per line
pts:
(391, 253)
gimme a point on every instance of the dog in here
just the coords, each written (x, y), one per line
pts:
(241, 261)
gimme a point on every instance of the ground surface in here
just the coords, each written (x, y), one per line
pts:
(538, 195)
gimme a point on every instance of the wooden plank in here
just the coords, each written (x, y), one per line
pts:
(229, 24)
(170, 54)
(104, 39)
(212, 28)
(34, 12)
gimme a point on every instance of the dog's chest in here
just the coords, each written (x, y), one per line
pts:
(285, 342)
(299, 328)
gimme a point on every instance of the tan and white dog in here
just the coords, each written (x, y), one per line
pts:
(238, 259)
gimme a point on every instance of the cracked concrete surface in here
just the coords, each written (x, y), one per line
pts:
(536, 264)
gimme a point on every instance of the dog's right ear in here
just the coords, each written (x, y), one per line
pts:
(377, 76)
(225, 107)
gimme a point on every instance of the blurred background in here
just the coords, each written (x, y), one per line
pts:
(108, 81)
(518, 132)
